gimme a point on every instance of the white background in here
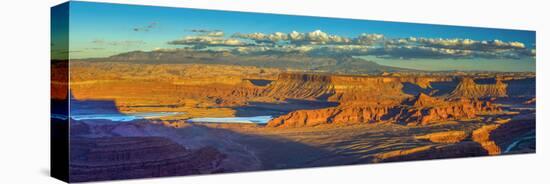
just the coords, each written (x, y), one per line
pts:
(24, 88)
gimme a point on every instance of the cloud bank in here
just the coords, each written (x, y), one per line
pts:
(318, 42)
(207, 40)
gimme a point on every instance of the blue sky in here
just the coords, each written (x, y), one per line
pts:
(100, 30)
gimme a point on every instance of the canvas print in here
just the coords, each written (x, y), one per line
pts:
(145, 91)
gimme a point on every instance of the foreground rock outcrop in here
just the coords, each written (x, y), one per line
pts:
(109, 158)
(462, 149)
(482, 136)
(444, 137)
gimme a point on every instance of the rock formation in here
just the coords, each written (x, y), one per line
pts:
(482, 136)
(530, 101)
(109, 158)
(462, 149)
(470, 89)
(444, 137)
(421, 109)
(335, 115)
(301, 86)
(344, 88)
(428, 109)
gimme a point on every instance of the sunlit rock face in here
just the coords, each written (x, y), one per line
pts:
(422, 110)
(468, 88)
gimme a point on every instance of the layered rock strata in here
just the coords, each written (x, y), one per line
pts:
(422, 109)
(470, 89)
(111, 158)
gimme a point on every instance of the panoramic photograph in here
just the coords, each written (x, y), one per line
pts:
(158, 91)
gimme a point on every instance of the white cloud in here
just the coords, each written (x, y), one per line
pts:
(207, 41)
(316, 37)
(468, 43)
(318, 42)
(369, 39)
(215, 34)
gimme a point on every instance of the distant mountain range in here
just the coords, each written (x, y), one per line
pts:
(288, 61)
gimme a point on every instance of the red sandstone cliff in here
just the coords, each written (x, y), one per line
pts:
(470, 89)
(422, 109)
(302, 86)
(344, 88)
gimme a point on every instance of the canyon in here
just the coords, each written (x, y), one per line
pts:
(224, 91)
(317, 118)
